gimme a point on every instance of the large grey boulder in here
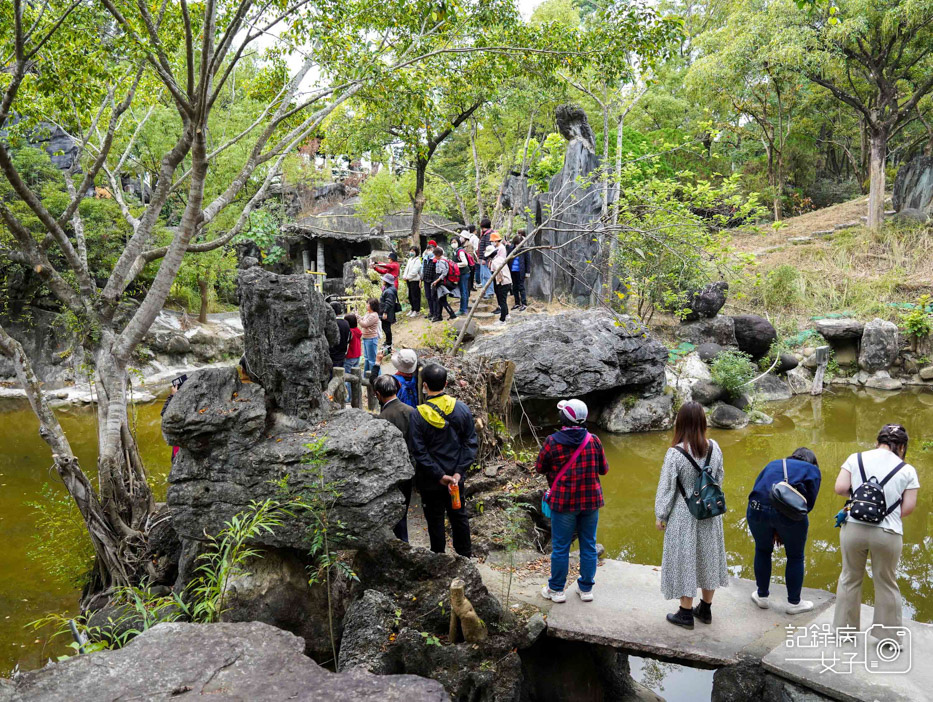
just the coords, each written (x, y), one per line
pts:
(879, 346)
(369, 622)
(707, 393)
(727, 417)
(247, 661)
(288, 331)
(578, 353)
(754, 334)
(799, 380)
(629, 414)
(913, 186)
(569, 215)
(707, 301)
(839, 329)
(770, 388)
(718, 330)
(233, 452)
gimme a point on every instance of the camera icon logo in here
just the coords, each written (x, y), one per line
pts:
(887, 649)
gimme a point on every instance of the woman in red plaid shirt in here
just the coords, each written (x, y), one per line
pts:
(572, 459)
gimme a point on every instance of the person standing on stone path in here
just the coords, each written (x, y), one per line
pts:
(572, 459)
(428, 276)
(388, 304)
(412, 277)
(355, 348)
(399, 415)
(485, 239)
(859, 539)
(519, 269)
(443, 286)
(502, 283)
(338, 352)
(443, 442)
(465, 263)
(391, 267)
(369, 326)
(406, 367)
(472, 248)
(694, 549)
(770, 528)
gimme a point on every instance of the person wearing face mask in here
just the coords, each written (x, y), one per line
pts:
(443, 443)
(412, 276)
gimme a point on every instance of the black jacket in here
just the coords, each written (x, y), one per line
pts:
(338, 352)
(441, 450)
(398, 414)
(387, 303)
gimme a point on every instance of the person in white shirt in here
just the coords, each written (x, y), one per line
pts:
(412, 276)
(882, 541)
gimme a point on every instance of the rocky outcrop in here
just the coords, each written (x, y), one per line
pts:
(233, 451)
(770, 388)
(569, 215)
(707, 393)
(879, 346)
(913, 186)
(836, 329)
(629, 414)
(578, 353)
(718, 330)
(799, 380)
(248, 661)
(754, 334)
(369, 623)
(289, 329)
(707, 301)
(708, 351)
(727, 417)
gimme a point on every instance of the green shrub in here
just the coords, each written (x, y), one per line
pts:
(731, 370)
(780, 288)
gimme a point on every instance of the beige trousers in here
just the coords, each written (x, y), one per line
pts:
(857, 542)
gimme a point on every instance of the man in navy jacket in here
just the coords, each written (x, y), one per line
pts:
(442, 439)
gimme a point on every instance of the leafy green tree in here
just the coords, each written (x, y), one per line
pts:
(876, 56)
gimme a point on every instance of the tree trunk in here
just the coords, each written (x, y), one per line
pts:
(477, 174)
(778, 187)
(879, 146)
(204, 289)
(605, 163)
(418, 200)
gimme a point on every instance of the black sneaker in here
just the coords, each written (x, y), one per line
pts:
(452, 317)
(516, 307)
(497, 311)
(682, 618)
(703, 612)
(523, 308)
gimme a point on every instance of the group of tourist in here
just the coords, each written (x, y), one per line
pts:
(689, 505)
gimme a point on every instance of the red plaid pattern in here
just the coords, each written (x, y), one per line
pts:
(579, 488)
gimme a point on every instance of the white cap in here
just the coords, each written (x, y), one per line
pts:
(574, 411)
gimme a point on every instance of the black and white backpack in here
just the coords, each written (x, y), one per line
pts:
(868, 503)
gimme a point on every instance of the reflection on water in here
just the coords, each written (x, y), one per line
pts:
(835, 425)
(675, 683)
(26, 592)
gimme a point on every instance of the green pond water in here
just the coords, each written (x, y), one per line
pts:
(834, 425)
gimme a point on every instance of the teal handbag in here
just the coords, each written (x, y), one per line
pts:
(707, 499)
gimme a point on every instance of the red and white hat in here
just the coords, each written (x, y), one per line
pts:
(574, 411)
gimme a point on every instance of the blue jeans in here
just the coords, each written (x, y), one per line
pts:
(464, 290)
(563, 527)
(484, 275)
(763, 523)
(370, 346)
(348, 365)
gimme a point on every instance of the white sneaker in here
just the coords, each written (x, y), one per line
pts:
(556, 596)
(802, 606)
(763, 601)
(585, 596)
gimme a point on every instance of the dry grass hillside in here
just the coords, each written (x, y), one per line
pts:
(827, 262)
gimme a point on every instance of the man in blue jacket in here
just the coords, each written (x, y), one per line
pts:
(442, 439)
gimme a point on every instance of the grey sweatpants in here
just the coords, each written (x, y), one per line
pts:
(857, 541)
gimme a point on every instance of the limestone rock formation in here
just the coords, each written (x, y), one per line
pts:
(754, 334)
(629, 414)
(707, 393)
(369, 622)
(248, 661)
(727, 417)
(718, 330)
(913, 186)
(707, 301)
(289, 329)
(770, 388)
(708, 351)
(578, 353)
(835, 329)
(879, 346)
(232, 450)
(570, 216)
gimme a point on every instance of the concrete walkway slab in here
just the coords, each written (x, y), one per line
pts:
(854, 670)
(629, 613)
